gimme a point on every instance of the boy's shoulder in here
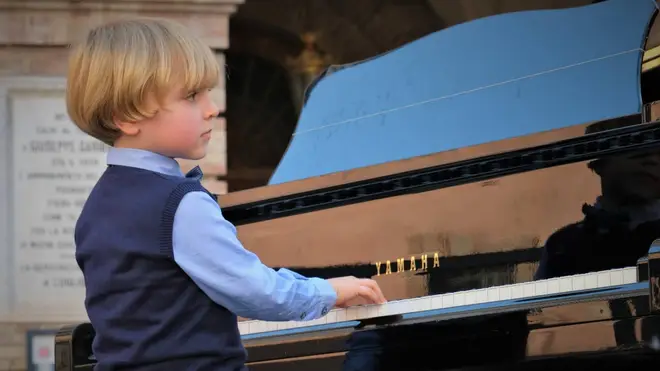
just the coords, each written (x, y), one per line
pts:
(134, 192)
(124, 181)
(118, 173)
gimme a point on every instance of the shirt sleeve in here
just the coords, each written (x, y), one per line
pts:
(206, 247)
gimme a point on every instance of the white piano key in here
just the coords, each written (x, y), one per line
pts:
(529, 289)
(616, 277)
(629, 275)
(505, 292)
(243, 327)
(321, 321)
(351, 313)
(516, 291)
(578, 282)
(389, 310)
(437, 301)
(253, 326)
(271, 326)
(470, 297)
(493, 294)
(450, 300)
(408, 306)
(447, 301)
(331, 317)
(425, 303)
(482, 296)
(541, 288)
(341, 316)
(553, 286)
(362, 312)
(402, 307)
(566, 284)
(591, 281)
(374, 311)
(603, 279)
(458, 298)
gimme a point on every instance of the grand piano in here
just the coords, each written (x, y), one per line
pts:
(500, 179)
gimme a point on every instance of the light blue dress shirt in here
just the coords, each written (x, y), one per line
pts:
(206, 247)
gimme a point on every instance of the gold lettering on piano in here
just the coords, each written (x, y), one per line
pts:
(412, 264)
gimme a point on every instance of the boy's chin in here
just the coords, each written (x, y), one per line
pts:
(194, 155)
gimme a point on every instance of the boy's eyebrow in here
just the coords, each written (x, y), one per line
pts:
(184, 91)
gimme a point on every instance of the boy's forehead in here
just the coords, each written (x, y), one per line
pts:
(173, 91)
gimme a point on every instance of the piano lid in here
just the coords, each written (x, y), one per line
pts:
(486, 80)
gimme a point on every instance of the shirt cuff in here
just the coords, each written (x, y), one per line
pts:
(292, 274)
(325, 301)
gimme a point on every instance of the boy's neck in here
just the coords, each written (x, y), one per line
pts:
(132, 143)
(143, 159)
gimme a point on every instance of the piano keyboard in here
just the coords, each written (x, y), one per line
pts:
(348, 316)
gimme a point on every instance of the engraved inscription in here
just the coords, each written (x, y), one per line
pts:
(55, 166)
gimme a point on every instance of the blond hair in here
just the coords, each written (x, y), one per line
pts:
(118, 71)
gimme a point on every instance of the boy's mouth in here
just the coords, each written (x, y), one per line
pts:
(207, 134)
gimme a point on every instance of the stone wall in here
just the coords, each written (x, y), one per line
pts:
(34, 39)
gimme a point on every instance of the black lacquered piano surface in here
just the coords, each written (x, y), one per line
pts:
(601, 329)
(505, 161)
(557, 190)
(609, 327)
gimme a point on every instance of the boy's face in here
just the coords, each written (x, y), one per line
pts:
(182, 126)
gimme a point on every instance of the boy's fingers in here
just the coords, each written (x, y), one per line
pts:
(369, 294)
(373, 285)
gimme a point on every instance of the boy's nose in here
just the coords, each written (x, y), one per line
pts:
(215, 112)
(212, 111)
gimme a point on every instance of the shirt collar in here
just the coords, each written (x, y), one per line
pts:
(143, 159)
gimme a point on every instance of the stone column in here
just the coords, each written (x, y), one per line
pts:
(34, 39)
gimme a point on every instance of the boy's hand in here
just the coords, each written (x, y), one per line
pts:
(354, 291)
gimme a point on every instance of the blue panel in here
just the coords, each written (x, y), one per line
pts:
(485, 80)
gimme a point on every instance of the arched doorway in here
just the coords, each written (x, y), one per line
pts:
(261, 109)
(261, 116)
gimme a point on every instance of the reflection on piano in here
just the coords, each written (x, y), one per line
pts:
(397, 179)
(546, 324)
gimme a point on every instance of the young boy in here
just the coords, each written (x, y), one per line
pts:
(165, 274)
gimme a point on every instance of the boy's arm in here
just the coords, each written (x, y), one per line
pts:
(206, 247)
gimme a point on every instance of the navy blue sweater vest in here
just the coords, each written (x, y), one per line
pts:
(147, 313)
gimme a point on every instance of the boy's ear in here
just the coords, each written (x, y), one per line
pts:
(127, 127)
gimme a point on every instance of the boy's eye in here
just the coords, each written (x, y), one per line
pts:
(191, 96)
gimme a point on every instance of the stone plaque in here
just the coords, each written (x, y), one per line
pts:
(54, 167)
